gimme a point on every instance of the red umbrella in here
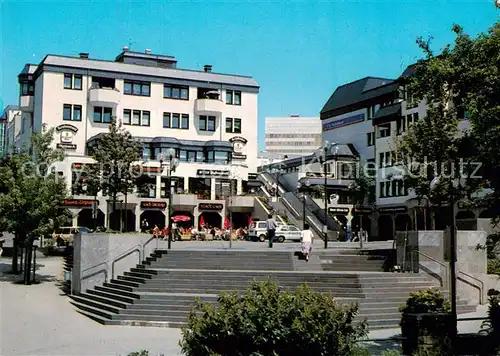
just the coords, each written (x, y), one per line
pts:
(250, 221)
(227, 224)
(202, 221)
(180, 218)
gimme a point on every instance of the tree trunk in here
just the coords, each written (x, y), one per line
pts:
(28, 257)
(15, 253)
(126, 212)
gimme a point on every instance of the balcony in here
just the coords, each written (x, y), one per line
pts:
(241, 203)
(106, 97)
(184, 200)
(208, 106)
(26, 103)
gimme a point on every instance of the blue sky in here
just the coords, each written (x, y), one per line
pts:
(298, 51)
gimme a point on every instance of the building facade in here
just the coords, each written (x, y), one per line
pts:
(9, 135)
(209, 119)
(292, 136)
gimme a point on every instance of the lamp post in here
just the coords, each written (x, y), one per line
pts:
(172, 165)
(322, 155)
(453, 251)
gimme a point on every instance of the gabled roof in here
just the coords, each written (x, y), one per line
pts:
(358, 91)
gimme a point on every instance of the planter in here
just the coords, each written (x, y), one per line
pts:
(425, 330)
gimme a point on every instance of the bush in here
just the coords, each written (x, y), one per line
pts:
(493, 266)
(269, 321)
(426, 301)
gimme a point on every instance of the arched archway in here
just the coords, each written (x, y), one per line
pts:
(385, 231)
(403, 222)
(117, 218)
(240, 219)
(365, 220)
(210, 219)
(153, 217)
(85, 219)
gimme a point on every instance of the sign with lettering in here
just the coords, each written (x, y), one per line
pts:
(393, 210)
(332, 125)
(66, 135)
(80, 203)
(362, 210)
(153, 205)
(212, 173)
(338, 211)
(82, 165)
(210, 206)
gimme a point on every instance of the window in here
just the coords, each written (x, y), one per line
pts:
(185, 121)
(372, 110)
(207, 123)
(233, 97)
(146, 153)
(191, 156)
(175, 92)
(27, 89)
(401, 125)
(370, 138)
(395, 188)
(415, 117)
(382, 189)
(221, 157)
(136, 117)
(384, 130)
(72, 112)
(136, 88)
(233, 125)
(126, 116)
(103, 83)
(175, 121)
(73, 81)
(385, 159)
(102, 114)
(166, 120)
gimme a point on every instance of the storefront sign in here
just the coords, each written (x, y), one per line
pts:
(210, 206)
(362, 211)
(338, 211)
(81, 165)
(332, 125)
(212, 173)
(239, 147)
(153, 205)
(252, 176)
(393, 210)
(77, 203)
(66, 135)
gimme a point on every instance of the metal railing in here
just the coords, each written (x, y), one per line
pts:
(481, 289)
(136, 248)
(434, 260)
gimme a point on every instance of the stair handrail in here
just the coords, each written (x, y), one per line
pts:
(434, 260)
(481, 289)
(147, 243)
(136, 248)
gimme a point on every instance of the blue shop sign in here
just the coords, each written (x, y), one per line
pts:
(343, 122)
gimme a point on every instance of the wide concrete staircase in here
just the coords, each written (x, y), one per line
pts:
(162, 290)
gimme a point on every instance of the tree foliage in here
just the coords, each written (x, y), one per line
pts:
(461, 85)
(32, 191)
(115, 155)
(269, 321)
(362, 190)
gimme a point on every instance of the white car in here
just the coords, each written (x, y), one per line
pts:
(258, 231)
(288, 233)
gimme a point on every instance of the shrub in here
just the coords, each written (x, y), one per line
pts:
(269, 321)
(426, 301)
(391, 353)
(493, 266)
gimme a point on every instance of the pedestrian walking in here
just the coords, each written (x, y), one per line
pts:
(306, 239)
(156, 231)
(271, 229)
(144, 226)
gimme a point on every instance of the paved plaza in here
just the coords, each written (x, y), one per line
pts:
(39, 319)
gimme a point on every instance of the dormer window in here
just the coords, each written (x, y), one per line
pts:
(27, 89)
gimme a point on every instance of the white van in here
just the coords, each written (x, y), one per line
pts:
(258, 231)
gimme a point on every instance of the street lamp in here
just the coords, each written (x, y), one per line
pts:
(172, 165)
(322, 155)
(456, 183)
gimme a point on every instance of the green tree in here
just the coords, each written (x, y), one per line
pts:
(115, 154)
(362, 190)
(32, 193)
(269, 321)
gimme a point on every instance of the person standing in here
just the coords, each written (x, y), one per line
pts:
(271, 229)
(306, 239)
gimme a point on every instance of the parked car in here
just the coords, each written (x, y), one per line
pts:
(65, 235)
(258, 231)
(288, 233)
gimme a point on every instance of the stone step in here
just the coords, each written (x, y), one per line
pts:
(109, 295)
(105, 307)
(104, 300)
(245, 282)
(138, 275)
(113, 290)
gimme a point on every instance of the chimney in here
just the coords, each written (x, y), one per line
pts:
(84, 55)
(125, 49)
(147, 51)
(207, 68)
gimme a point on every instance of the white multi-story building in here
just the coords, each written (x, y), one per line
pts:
(10, 128)
(292, 136)
(209, 119)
